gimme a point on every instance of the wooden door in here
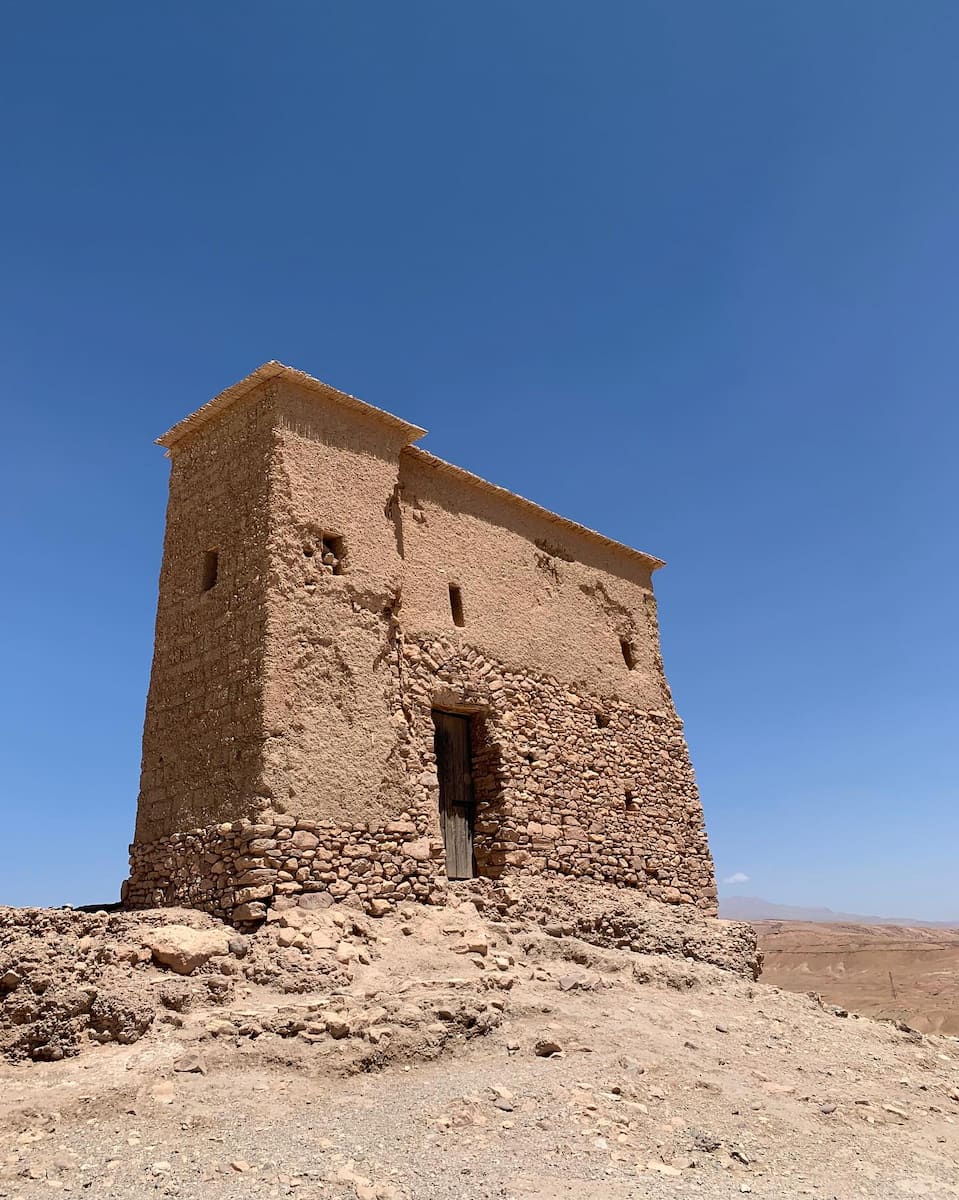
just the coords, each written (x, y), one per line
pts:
(454, 767)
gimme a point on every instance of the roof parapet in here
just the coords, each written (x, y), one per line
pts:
(278, 370)
(410, 433)
(418, 454)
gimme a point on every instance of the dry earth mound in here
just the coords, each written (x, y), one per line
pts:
(68, 978)
(516, 1043)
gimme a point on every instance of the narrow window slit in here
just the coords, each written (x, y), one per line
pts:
(629, 657)
(211, 569)
(456, 605)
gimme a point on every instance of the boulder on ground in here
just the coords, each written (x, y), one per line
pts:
(184, 950)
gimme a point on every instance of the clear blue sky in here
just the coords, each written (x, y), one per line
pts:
(684, 271)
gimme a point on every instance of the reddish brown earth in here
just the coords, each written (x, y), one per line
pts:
(890, 971)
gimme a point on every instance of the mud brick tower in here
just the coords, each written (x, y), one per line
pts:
(374, 672)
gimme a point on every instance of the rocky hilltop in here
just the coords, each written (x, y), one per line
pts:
(520, 1041)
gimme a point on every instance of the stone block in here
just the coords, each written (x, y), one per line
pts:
(247, 894)
(254, 911)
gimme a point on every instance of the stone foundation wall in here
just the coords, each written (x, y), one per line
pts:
(236, 870)
(566, 784)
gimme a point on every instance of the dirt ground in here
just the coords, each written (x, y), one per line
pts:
(509, 1051)
(904, 972)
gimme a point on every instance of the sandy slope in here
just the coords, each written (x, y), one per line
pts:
(413, 1072)
(881, 970)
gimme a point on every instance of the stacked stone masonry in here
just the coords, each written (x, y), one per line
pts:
(199, 750)
(288, 745)
(566, 784)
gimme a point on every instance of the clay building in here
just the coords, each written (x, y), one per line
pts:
(375, 671)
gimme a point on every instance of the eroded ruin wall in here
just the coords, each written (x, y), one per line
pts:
(580, 762)
(536, 596)
(332, 752)
(566, 784)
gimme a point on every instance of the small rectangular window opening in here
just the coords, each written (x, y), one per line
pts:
(456, 605)
(334, 554)
(211, 567)
(629, 658)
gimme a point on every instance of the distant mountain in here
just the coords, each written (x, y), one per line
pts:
(751, 908)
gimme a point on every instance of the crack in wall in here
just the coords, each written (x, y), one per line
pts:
(393, 511)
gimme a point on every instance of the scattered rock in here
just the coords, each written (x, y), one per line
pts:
(253, 911)
(220, 1027)
(163, 1092)
(183, 949)
(120, 1015)
(705, 1141)
(662, 1168)
(190, 1064)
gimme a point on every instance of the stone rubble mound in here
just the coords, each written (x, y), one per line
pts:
(516, 1041)
(71, 979)
(621, 918)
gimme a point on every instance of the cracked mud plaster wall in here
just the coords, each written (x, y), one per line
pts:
(331, 749)
(534, 596)
(335, 745)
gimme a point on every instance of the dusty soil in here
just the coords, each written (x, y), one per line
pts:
(517, 1045)
(891, 971)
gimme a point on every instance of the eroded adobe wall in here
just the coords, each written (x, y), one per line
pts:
(332, 752)
(404, 533)
(202, 731)
(580, 761)
(535, 596)
(567, 784)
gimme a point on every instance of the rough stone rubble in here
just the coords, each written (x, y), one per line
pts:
(73, 979)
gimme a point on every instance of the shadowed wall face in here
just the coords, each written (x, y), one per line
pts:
(359, 585)
(203, 726)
